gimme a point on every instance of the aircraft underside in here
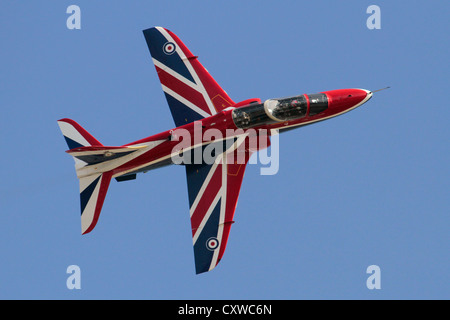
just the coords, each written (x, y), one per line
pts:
(214, 139)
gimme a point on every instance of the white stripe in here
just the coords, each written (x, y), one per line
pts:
(206, 218)
(86, 181)
(240, 139)
(185, 60)
(202, 88)
(102, 151)
(70, 132)
(224, 188)
(223, 205)
(184, 101)
(114, 163)
(160, 159)
(176, 75)
(218, 160)
(87, 216)
(203, 188)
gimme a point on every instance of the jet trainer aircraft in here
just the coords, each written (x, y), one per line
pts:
(197, 104)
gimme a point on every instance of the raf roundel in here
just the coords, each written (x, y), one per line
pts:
(169, 48)
(212, 244)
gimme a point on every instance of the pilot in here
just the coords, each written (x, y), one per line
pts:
(245, 117)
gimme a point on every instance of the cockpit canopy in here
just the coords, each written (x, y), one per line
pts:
(318, 102)
(278, 110)
(250, 116)
(286, 109)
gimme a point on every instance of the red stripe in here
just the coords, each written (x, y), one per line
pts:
(217, 95)
(308, 103)
(153, 154)
(206, 199)
(83, 132)
(235, 174)
(183, 90)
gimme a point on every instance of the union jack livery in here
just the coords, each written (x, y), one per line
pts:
(213, 139)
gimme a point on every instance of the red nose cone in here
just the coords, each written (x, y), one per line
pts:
(343, 99)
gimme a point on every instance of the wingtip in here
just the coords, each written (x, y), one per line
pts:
(155, 27)
(204, 268)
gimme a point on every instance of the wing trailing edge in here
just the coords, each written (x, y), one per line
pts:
(191, 92)
(213, 191)
(97, 154)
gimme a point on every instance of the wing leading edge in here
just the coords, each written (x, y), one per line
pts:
(213, 193)
(213, 188)
(191, 92)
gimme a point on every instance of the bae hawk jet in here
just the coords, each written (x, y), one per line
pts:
(198, 105)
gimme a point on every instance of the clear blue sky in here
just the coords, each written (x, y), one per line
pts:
(370, 187)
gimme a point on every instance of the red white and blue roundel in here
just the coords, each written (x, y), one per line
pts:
(212, 244)
(169, 48)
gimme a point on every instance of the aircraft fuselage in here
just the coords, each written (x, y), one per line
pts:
(267, 118)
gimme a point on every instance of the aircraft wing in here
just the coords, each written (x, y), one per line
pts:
(191, 92)
(213, 192)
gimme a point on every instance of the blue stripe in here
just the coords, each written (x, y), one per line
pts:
(181, 113)
(72, 144)
(86, 194)
(155, 42)
(203, 256)
(196, 173)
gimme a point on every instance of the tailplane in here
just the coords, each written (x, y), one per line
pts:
(87, 150)
(93, 190)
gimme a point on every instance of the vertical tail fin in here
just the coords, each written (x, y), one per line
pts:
(75, 135)
(93, 188)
